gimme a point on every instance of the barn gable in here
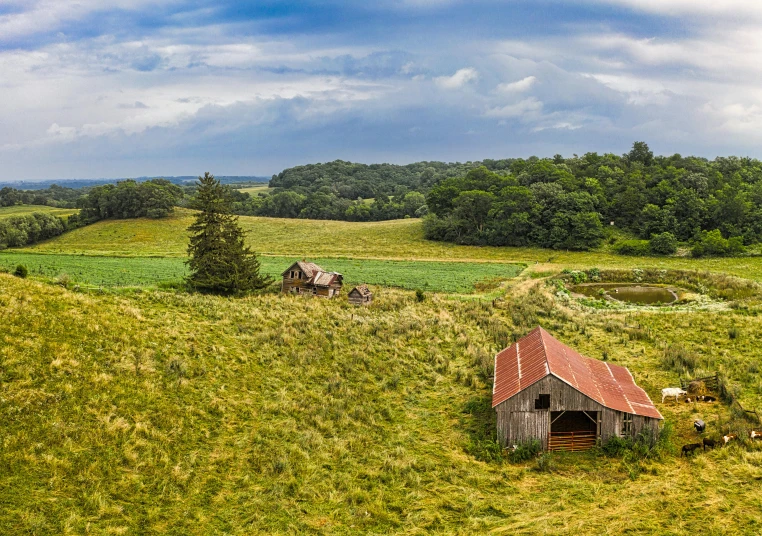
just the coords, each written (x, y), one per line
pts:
(539, 355)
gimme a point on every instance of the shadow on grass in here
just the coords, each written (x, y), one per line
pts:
(479, 422)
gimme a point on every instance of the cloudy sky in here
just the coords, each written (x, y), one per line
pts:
(118, 88)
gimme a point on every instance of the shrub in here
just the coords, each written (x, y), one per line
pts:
(525, 451)
(545, 463)
(21, 271)
(419, 295)
(636, 248)
(712, 244)
(663, 244)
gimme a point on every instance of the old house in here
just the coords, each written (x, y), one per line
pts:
(310, 279)
(547, 391)
(360, 295)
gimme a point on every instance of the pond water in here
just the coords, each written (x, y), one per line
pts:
(627, 292)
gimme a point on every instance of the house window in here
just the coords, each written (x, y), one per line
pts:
(542, 402)
(291, 275)
(626, 424)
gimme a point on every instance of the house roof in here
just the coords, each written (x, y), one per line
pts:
(309, 268)
(538, 355)
(362, 289)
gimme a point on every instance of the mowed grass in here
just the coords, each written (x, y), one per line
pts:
(140, 271)
(394, 240)
(22, 210)
(170, 413)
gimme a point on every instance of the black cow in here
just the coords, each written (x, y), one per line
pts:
(709, 443)
(688, 449)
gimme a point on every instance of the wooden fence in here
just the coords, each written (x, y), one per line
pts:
(571, 441)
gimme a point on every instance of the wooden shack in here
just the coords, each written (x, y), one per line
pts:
(360, 295)
(307, 278)
(547, 391)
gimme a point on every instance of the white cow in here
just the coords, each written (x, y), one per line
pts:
(672, 391)
(756, 435)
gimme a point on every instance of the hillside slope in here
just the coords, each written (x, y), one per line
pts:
(180, 414)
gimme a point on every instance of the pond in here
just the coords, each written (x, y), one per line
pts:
(627, 292)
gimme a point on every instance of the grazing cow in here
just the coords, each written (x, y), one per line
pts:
(709, 443)
(672, 391)
(727, 438)
(755, 435)
(706, 398)
(688, 449)
(699, 425)
(688, 400)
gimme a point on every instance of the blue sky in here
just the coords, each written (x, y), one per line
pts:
(118, 88)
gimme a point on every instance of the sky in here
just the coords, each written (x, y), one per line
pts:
(128, 88)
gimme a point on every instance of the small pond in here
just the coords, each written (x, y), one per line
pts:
(627, 292)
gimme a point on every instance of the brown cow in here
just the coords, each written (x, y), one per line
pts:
(709, 443)
(727, 438)
(755, 435)
(688, 449)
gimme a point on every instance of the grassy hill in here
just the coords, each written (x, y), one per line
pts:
(165, 413)
(396, 240)
(22, 210)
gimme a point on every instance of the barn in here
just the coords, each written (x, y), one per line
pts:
(360, 295)
(545, 390)
(309, 279)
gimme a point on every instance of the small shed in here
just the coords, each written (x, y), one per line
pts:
(360, 295)
(308, 278)
(547, 391)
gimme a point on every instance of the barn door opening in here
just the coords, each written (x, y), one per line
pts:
(573, 430)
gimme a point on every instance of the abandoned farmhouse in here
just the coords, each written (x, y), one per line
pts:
(309, 278)
(547, 391)
(360, 295)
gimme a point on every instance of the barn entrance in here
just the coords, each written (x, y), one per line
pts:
(573, 430)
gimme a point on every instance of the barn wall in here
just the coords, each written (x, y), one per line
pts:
(518, 421)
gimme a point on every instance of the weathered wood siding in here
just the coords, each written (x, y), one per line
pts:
(519, 421)
(290, 285)
(355, 298)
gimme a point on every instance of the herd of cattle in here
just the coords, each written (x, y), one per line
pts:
(699, 424)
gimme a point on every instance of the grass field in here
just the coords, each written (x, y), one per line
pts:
(170, 413)
(21, 210)
(254, 190)
(397, 240)
(140, 271)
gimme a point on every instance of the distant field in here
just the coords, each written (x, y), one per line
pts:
(398, 240)
(254, 190)
(141, 271)
(20, 210)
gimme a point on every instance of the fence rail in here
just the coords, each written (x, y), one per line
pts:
(571, 441)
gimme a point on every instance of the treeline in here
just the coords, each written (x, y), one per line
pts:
(53, 196)
(17, 231)
(567, 203)
(154, 198)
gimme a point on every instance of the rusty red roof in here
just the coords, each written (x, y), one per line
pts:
(538, 355)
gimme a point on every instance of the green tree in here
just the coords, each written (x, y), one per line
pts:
(219, 260)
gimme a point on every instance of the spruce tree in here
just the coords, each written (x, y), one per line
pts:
(219, 261)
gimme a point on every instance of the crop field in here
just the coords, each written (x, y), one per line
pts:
(394, 240)
(22, 210)
(140, 271)
(174, 413)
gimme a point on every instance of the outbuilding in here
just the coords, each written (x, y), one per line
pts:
(547, 391)
(360, 295)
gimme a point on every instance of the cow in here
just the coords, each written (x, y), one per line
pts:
(706, 398)
(688, 449)
(755, 435)
(727, 438)
(711, 443)
(688, 400)
(672, 391)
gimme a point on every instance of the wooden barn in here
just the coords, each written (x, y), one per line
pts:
(310, 279)
(360, 295)
(545, 390)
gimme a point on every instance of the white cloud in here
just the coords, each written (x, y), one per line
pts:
(519, 86)
(530, 106)
(458, 80)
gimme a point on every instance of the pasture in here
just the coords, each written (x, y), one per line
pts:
(390, 240)
(174, 413)
(23, 210)
(255, 190)
(453, 277)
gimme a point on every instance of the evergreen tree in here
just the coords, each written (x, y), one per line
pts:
(219, 260)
